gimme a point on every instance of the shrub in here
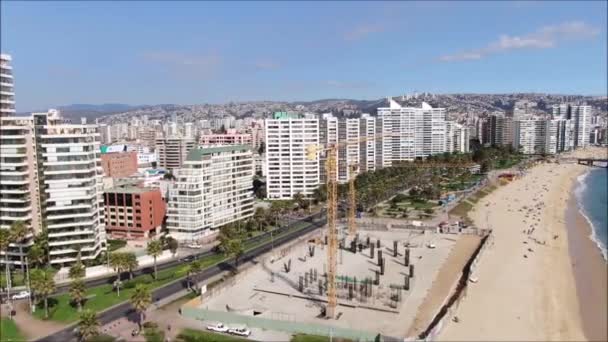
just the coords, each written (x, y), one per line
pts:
(150, 325)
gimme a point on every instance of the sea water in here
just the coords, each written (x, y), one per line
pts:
(592, 198)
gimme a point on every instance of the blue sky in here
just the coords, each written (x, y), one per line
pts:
(197, 52)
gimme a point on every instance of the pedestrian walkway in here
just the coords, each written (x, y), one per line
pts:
(31, 327)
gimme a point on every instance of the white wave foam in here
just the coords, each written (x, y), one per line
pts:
(578, 192)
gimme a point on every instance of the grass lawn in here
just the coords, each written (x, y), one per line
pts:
(116, 244)
(191, 335)
(9, 331)
(103, 297)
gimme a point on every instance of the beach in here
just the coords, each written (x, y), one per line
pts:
(542, 277)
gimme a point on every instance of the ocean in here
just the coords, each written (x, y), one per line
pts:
(592, 198)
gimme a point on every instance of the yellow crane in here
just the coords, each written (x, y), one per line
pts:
(332, 205)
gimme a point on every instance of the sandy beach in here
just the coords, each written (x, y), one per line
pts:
(526, 287)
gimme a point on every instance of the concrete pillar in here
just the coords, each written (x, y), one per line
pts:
(382, 265)
(320, 287)
(411, 270)
(301, 284)
(371, 251)
(395, 248)
(406, 282)
(378, 243)
(379, 257)
(377, 277)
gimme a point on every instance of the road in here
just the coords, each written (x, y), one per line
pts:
(125, 309)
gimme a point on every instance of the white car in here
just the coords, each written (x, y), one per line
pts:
(240, 331)
(21, 295)
(220, 327)
(194, 246)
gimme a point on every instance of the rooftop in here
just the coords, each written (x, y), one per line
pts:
(198, 153)
(129, 189)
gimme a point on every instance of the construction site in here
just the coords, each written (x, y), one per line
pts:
(353, 279)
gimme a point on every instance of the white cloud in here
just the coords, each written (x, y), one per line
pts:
(543, 38)
(185, 64)
(362, 31)
(267, 65)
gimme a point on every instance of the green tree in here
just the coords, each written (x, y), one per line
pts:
(141, 300)
(235, 250)
(19, 231)
(43, 285)
(78, 292)
(88, 326)
(172, 244)
(77, 270)
(130, 263)
(259, 217)
(117, 262)
(154, 249)
(5, 240)
(193, 269)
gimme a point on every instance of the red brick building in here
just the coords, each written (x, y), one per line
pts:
(119, 164)
(133, 212)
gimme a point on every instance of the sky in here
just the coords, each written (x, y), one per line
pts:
(214, 52)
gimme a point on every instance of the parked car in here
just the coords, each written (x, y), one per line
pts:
(240, 331)
(188, 258)
(194, 246)
(21, 295)
(220, 327)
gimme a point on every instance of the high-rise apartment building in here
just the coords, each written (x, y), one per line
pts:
(367, 147)
(214, 187)
(530, 136)
(411, 133)
(172, 152)
(340, 131)
(7, 93)
(288, 171)
(580, 117)
(499, 131)
(133, 212)
(457, 137)
(51, 175)
(559, 136)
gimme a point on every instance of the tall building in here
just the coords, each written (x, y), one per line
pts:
(171, 152)
(367, 148)
(457, 138)
(120, 163)
(19, 195)
(226, 139)
(499, 131)
(51, 175)
(580, 117)
(530, 136)
(559, 136)
(7, 92)
(288, 171)
(340, 131)
(412, 132)
(213, 187)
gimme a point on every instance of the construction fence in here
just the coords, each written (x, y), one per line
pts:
(450, 307)
(278, 324)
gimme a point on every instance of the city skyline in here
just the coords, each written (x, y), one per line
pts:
(322, 50)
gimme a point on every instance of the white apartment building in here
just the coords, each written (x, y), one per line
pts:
(288, 171)
(51, 174)
(340, 131)
(530, 136)
(367, 148)
(214, 187)
(412, 132)
(19, 199)
(559, 136)
(171, 152)
(7, 93)
(580, 117)
(457, 137)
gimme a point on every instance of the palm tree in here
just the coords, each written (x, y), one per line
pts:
(117, 262)
(154, 249)
(78, 292)
(235, 249)
(77, 270)
(130, 263)
(141, 300)
(5, 240)
(172, 244)
(43, 285)
(38, 252)
(19, 231)
(88, 325)
(194, 268)
(259, 216)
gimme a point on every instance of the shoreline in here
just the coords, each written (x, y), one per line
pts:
(588, 266)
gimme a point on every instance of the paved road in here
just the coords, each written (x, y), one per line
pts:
(125, 309)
